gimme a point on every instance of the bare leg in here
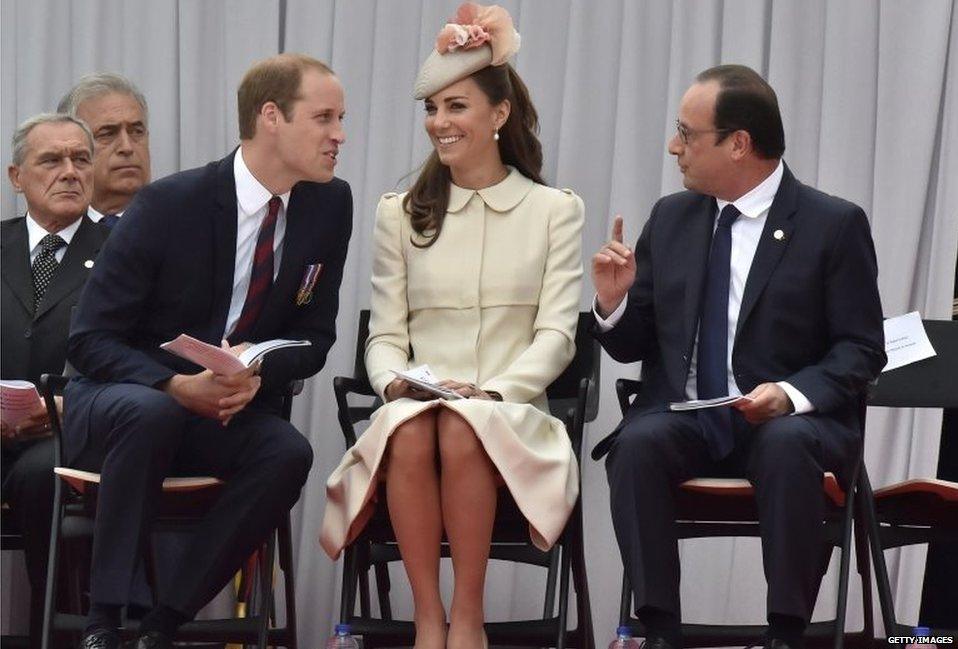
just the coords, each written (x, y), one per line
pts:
(468, 510)
(412, 494)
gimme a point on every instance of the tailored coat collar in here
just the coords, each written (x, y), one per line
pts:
(501, 197)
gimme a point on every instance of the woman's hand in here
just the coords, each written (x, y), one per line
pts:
(400, 388)
(469, 391)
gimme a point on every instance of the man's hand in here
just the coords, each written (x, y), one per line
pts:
(235, 350)
(769, 401)
(613, 271)
(212, 395)
(37, 424)
(399, 388)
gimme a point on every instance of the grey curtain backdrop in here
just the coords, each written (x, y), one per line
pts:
(868, 91)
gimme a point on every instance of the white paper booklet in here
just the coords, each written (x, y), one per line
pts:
(220, 360)
(698, 404)
(423, 378)
(18, 400)
(906, 341)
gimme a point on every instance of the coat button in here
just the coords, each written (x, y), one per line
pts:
(27, 333)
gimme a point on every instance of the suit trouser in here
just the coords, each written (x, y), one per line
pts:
(28, 485)
(784, 458)
(137, 437)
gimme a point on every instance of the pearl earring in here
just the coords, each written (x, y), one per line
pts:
(495, 135)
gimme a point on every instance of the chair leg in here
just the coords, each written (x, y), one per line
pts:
(382, 590)
(285, 542)
(564, 571)
(844, 568)
(52, 566)
(625, 603)
(267, 555)
(549, 603)
(864, 572)
(348, 599)
(580, 582)
(878, 555)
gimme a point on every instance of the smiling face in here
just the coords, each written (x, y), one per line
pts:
(121, 156)
(461, 123)
(308, 143)
(56, 175)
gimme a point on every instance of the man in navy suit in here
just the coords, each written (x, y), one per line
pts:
(245, 249)
(749, 283)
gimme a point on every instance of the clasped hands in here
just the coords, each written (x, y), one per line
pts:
(216, 396)
(35, 426)
(613, 272)
(400, 388)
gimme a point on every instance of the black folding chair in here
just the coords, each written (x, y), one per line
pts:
(725, 507)
(920, 510)
(183, 503)
(573, 397)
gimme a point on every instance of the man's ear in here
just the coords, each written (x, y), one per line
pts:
(741, 144)
(270, 114)
(13, 173)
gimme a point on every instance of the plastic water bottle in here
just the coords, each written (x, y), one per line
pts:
(920, 632)
(624, 639)
(342, 639)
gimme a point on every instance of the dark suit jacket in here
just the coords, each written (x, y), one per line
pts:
(34, 344)
(168, 269)
(810, 311)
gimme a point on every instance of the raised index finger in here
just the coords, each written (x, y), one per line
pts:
(617, 228)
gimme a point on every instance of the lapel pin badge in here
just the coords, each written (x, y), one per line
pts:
(305, 293)
(779, 235)
(88, 263)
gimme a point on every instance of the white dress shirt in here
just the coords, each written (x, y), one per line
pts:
(252, 200)
(746, 232)
(95, 215)
(35, 233)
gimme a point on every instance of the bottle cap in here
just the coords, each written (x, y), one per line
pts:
(624, 630)
(343, 629)
(922, 631)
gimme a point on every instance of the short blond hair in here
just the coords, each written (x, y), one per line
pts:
(276, 79)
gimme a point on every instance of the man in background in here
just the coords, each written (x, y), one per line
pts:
(116, 113)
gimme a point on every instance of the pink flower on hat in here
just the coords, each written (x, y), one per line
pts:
(475, 25)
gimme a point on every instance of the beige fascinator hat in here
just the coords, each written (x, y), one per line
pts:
(477, 37)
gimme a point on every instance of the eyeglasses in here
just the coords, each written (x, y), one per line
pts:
(686, 133)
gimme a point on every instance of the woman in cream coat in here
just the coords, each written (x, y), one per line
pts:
(486, 293)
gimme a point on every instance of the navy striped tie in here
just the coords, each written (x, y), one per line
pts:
(711, 368)
(261, 279)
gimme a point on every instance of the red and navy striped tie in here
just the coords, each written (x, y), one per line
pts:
(261, 279)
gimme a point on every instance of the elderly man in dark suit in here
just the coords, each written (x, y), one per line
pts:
(245, 249)
(46, 257)
(748, 283)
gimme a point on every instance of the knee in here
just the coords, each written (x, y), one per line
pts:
(149, 415)
(457, 440)
(413, 444)
(641, 442)
(293, 457)
(782, 438)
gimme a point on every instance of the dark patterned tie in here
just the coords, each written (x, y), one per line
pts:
(45, 265)
(109, 220)
(712, 364)
(261, 279)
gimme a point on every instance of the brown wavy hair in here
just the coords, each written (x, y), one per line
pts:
(519, 146)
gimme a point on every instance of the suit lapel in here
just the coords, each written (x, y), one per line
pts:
(696, 263)
(15, 261)
(223, 245)
(770, 248)
(72, 271)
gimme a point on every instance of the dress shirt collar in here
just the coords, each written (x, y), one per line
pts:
(756, 201)
(250, 193)
(95, 215)
(35, 232)
(501, 197)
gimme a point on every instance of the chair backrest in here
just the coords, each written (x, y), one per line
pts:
(562, 392)
(930, 383)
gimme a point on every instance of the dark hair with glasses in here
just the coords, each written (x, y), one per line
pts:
(746, 102)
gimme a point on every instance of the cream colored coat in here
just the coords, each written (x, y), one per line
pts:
(493, 302)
